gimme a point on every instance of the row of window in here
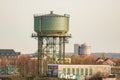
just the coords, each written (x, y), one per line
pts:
(8, 56)
(78, 71)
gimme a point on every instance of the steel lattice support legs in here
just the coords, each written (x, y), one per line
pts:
(52, 47)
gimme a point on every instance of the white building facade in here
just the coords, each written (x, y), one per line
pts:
(78, 71)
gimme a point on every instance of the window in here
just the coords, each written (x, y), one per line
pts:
(73, 71)
(77, 70)
(68, 70)
(82, 71)
(86, 71)
(90, 71)
(64, 70)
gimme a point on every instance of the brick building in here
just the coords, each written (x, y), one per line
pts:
(8, 57)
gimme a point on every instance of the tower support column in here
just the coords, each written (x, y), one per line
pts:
(63, 50)
(40, 56)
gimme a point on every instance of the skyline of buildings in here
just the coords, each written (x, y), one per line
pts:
(97, 22)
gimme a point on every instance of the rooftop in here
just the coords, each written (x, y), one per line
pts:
(8, 52)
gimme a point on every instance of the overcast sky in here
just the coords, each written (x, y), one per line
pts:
(94, 21)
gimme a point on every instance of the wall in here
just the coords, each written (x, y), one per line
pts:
(78, 71)
(83, 70)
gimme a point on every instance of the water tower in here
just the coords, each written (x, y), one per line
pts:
(52, 35)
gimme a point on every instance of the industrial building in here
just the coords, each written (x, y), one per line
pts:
(78, 71)
(83, 49)
(76, 48)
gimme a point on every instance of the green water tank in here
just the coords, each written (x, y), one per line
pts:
(51, 24)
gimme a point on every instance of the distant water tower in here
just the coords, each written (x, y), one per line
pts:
(82, 49)
(51, 32)
(85, 49)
